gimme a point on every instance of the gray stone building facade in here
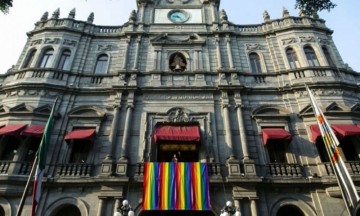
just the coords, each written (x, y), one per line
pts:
(180, 63)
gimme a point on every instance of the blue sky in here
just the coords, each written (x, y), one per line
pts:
(344, 20)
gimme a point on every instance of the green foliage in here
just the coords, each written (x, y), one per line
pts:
(5, 5)
(310, 7)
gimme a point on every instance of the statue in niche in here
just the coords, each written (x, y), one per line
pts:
(177, 63)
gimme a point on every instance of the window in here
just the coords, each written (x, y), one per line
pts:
(64, 60)
(311, 57)
(29, 59)
(9, 148)
(47, 59)
(101, 64)
(277, 151)
(292, 58)
(328, 57)
(255, 63)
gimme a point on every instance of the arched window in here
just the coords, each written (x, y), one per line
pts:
(311, 56)
(29, 59)
(101, 64)
(292, 58)
(64, 60)
(68, 210)
(328, 57)
(255, 63)
(47, 58)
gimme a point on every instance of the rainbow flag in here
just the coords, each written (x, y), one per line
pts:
(176, 186)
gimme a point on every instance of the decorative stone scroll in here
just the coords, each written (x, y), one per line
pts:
(324, 41)
(307, 39)
(36, 42)
(289, 41)
(254, 46)
(69, 42)
(179, 115)
(52, 40)
(107, 47)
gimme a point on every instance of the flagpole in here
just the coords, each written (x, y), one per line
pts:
(346, 185)
(23, 198)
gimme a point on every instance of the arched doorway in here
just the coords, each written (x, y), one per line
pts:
(67, 210)
(289, 210)
(2, 211)
(176, 213)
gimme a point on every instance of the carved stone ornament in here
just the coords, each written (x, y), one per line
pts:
(289, 41)
(179, 115)
(105, 47)
(322, 92)
(52, 41)
(69, 42)
(36, 42)
(182, 1)
(307, 39)
(324, 41)
(254, 47)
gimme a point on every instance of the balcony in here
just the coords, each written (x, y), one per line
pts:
(15, 168)
(74, 170)
(284, 170)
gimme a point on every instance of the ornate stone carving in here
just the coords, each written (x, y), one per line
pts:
(90, 19)
(36, 42)
(182, 1)
(69, 42)
(132, 17)
(56, 14)
(44, 17)
(254, 46)
(289, 41)
(107, 47)
(324, 41)
(223, 16)
(266, 16)
(307, 39)
(179, 115)
(52, 41)
(72, 14)
(285, 12)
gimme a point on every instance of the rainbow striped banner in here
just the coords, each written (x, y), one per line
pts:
(176, 186)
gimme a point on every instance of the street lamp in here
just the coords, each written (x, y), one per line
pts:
(230, 210)
(124, 210)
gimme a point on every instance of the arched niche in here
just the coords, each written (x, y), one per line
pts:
(59, 204)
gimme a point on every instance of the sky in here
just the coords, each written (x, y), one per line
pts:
(344, 20)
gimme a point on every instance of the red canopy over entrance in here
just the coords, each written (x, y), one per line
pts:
(275, 134)
(12, 130)
(344, 130)
(81, 134)
(33, 130)
(182, 133)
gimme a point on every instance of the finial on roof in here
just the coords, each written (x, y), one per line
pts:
(223, 16)
(56, 14)
(266, 16)
(91, 18)
(302, 13)
(132, 17)
(315, 15)
(44, 17)
(72, 14)
(285, 12)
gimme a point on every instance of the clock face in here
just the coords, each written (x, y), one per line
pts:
(178, 16)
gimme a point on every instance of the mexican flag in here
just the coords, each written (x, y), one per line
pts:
(41, 159)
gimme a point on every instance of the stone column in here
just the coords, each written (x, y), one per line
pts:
(101, 206)
(237, 204)
(126, 134)
(213, 12)
(242, 129)
(136, 58)
(159, 60)
(226, 121)
(200, 58)
(218, 52)
(156, 60)
(126, 52)
(229, 52)
(117, 204)
(253, 207)
(196, 60)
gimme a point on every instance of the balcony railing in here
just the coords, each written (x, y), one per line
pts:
(284, 170)
(4, 167)
(16, 168)
(74, 170)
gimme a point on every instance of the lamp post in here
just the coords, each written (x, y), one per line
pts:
(124, 210)
(230, 210)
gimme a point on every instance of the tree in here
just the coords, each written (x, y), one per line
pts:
(310, 7)
(5, 5)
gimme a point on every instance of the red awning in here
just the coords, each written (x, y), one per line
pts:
(81, 134)
(183, 133)
(275, 134)
(315, 132)
(12, 130)
(33, 130)
(344, 130)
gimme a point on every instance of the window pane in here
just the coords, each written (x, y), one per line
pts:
(292, 58)
(311, 56)
(255, 63)
(101, 64)
(47, 58)
(29, 59)
(64, 60)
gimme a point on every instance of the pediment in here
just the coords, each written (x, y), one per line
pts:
(334, 107)
(355, 108)
(87, 112)
(22, 108)
(270, 112)
(45, 109)
(178, 39)
(307, 110)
